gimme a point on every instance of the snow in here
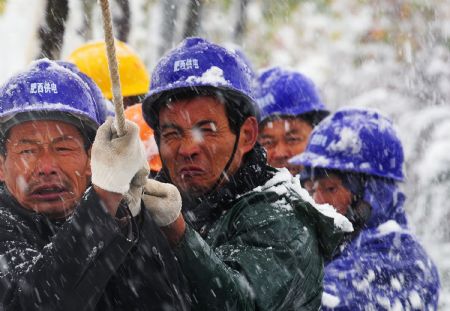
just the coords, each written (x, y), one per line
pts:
(212, 76)
(359, 53)
(348, 141)
(415, 301)
(283, 181)
(390, 226)
(395, 284)
(197, 135)
(329, 300)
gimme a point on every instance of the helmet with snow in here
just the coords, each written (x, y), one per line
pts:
(100, 100)
(48, 91)
(357, 141)
(282, 92)
(199, 67)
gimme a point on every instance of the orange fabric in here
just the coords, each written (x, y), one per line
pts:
(134, 113)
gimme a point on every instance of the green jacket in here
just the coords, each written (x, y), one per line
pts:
(265, 252)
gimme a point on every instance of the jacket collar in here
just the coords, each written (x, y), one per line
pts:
(42, 223)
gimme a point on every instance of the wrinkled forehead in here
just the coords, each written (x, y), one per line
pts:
(43, 131)
(192, 111)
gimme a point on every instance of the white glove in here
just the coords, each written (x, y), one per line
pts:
(115, 160)
(134, 196)
(163, 201)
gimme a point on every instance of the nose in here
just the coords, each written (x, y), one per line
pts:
(318, 197)
(46, 164)
(189, 148)
(281, 152)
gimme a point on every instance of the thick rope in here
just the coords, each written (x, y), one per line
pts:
(113, 67)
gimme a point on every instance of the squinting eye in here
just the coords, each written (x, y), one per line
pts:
(28, 151)
(63, 149)
(207, 130)
(168, 135)
(331, 189)
(294, 140)
(267, 143)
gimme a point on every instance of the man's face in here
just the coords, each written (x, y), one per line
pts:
(284, 138)
(46, 167)
(196, 143)
(330, 190)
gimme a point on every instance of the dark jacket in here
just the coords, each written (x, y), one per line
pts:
(256, 244)
(89, 262)
(383, 267)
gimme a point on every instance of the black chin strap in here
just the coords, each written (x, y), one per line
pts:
(223, 174)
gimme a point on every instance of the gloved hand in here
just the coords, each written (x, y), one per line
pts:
(163, 201)
(134, 196)
(116, 160)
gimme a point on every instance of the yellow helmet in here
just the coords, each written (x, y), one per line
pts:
(91, 59)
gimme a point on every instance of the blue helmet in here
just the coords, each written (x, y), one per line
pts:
(283, 92)
(194, 65)
(48, 91)
(355, 140)
(100, 100)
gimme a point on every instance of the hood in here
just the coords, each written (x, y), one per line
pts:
(386, 201)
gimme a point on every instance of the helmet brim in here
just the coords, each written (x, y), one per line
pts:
(157, 98)
(85, 125)
(313, 160)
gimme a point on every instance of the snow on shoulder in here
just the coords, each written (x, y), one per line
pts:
(283, 181)
(329, 300)
(390, 226)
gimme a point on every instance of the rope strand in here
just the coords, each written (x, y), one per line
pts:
(113, 67)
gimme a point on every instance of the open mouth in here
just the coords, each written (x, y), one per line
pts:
(50, 192)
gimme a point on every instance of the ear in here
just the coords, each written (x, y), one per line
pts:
(2, 167)
(248, 135)
(88, 166)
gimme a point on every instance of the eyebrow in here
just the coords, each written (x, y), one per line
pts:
(179, 128)
(293, 131)
(265, 136)
(170, 126)
(204, 122)
(34, 141)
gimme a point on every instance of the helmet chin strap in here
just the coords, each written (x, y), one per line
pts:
(223, 174)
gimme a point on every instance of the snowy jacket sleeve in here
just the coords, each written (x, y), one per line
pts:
(381, 271)
(251, 258)
(70, 272)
